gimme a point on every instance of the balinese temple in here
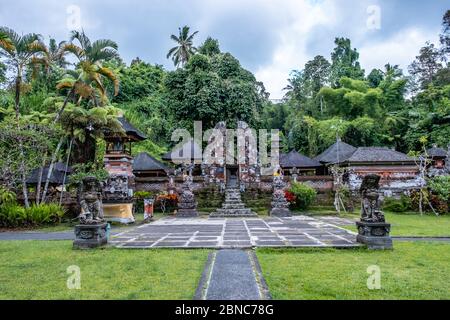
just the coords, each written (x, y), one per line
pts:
(118, 158)
(150, 174)
(439, 161)
(294, 163)
(399, 172)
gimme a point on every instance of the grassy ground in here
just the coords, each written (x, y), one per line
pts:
(416, 225)
(410, 271)
(38, 270)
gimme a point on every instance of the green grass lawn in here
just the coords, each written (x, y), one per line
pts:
(416, 225)
(38, 270)
(410, 271)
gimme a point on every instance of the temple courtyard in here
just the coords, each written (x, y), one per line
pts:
(242, 233)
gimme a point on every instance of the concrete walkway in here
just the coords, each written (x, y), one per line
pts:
(232, 275)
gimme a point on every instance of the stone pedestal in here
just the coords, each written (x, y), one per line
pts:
(280, 212)
(280, 206)
(89, 236)
(374, 234)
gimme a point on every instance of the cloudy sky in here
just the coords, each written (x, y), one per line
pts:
(269, 37)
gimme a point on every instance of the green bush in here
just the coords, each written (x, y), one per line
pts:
(13, 215)
(440, 186)
(397, 205)
(6, 196)
(305, 195)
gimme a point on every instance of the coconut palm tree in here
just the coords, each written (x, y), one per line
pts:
(87, 79)
(21, 52)
(181, 53)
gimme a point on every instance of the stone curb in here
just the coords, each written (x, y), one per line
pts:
(200, 292)
(263, 287)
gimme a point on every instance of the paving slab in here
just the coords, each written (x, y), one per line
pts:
(223, 233)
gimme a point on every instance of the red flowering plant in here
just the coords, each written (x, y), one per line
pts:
(290, 197)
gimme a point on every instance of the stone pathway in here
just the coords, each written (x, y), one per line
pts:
(242, 233)
(232, 275)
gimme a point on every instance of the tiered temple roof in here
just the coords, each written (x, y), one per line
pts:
(145, 162)
(294, 159)
(337, 153)
(379, 155)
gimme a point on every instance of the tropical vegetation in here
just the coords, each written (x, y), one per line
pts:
(57, 100)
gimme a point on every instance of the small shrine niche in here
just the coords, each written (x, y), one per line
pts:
(118, 156)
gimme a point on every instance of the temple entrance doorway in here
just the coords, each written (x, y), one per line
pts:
(232, 176)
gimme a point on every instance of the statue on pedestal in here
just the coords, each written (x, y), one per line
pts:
(280, 206)
(372, 229)
(90, 195)
(92, 230)
(370, 202)
(187, 206)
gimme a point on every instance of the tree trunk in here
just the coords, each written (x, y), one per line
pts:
(50, 169)
(22, 155)
(65, 172)
(17, 96)
(39, 185)
(66, 101)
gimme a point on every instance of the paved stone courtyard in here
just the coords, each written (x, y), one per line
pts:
(242, 233)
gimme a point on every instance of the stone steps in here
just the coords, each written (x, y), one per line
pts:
(233, 206)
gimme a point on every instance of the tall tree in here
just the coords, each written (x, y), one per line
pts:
(345, 62)
(426, 65)
(445, 36)
(21, 52)
(184, 49)
(317, 72)
(88, 79)
(210, 47)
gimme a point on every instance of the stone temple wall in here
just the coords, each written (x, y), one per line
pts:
(394, 181)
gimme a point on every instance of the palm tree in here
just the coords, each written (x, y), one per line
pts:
(21, 52)
(87, 79)
(185, 47)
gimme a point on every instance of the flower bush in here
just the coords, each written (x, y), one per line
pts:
(304, 195)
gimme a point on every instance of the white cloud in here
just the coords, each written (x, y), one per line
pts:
(290, 51)
(401, 49)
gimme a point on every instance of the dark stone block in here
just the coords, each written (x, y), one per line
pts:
(374, 234)
(90, 236)
(187, 213)
(280, 212)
